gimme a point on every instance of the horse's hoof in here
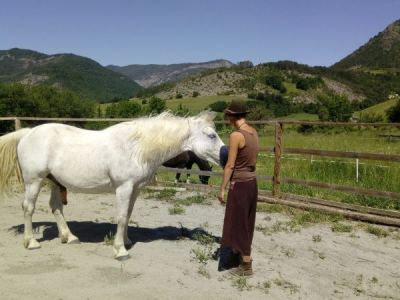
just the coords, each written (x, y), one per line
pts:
(74, 242)
(123, 257)
(33, 245)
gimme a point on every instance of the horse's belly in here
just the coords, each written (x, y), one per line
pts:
(91, 190)
(82, 184)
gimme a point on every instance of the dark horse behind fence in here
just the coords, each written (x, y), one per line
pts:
(185, 160)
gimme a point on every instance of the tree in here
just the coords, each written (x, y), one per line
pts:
(323, 114)
(243, 65)
(340, 109)
(260, 113)
(181, 110)
(128, 109)
(281, 106)
(41, 101)
(303, 84)
(393, 113)
(157, 105)
(218, 106)
(276, 81)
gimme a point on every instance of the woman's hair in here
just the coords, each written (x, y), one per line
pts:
(236, 116)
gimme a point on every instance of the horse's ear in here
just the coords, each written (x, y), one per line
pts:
(207, 115)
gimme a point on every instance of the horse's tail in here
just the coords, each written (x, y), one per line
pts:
(9, 161)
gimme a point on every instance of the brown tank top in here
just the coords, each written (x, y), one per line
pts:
(245, 165)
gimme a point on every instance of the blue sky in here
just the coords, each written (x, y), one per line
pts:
(122, 32)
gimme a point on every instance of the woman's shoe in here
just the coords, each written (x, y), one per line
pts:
(244, 269)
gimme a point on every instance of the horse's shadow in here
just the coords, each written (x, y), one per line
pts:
(92, 232)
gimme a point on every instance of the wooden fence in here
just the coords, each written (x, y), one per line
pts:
(276, 196)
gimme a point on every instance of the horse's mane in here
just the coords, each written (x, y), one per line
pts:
(157, 136)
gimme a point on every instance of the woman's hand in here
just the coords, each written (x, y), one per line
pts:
(221, 195)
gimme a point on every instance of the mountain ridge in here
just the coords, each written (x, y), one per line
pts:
(155, 74)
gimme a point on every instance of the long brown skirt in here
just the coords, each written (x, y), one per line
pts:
(240, 216)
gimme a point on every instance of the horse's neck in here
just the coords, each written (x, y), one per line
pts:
(153, 141)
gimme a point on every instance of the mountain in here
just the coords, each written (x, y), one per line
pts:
(253, 82)
(381, 51)
(152, 75)
(79, 74)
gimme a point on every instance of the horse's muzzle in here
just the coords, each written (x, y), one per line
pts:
(223, 155)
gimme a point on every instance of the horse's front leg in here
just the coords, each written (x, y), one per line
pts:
(177, 176)
(56, 206)
(187, 178)
(134, 196)
(123, 194)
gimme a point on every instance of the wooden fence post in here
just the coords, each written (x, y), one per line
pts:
(17, 124)
(278, 152)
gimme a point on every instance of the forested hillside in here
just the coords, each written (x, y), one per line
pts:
(76, 73)
(380, 52)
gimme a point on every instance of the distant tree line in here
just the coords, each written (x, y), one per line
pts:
(18, 100)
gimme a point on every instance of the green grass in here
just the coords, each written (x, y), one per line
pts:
(195, 105)
(339, 227)
(176, 210)
(379, 232)
(300, 117)
(378, 109)
(377, 175)
(109, 239)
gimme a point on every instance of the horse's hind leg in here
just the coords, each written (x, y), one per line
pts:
(56, 206)
(28, 206)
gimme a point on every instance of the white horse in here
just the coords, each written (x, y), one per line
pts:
(121, 158)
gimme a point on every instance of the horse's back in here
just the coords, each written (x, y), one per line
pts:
(66, 152)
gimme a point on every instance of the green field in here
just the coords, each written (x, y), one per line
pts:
(378, 175)
(300, 117)
(195, 105)
(379, 109)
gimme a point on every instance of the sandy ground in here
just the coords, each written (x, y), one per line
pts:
(307, 263)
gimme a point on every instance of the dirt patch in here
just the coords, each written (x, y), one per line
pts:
(306, 263)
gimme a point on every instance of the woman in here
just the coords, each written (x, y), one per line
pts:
(240, 171)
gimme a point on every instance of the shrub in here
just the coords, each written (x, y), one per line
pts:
(393, 113)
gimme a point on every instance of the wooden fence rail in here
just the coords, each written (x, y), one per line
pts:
(278, 149)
